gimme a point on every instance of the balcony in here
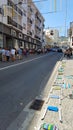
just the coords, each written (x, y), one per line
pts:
(29, 27)
(36, 36)
(29, 21)
(30, 9)
(13, 23)
(14, 6)
(37, 27)
(37, 17)
(29, 33)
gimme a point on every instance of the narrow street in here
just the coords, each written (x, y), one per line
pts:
(20, 84)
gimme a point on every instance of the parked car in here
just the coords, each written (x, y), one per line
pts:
(53, 49)
(59, 50)
(56, 49)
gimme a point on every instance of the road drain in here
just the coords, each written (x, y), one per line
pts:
(36, 104)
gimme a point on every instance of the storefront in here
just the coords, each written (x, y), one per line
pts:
(12, 37)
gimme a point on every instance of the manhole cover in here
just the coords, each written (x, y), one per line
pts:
(37, 104)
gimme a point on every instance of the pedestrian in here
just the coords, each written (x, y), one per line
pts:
(25, 52)
(13, 54)
(7, 53)
(20, 53)
(65, 52)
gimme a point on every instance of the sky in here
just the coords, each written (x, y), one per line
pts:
(57, 14)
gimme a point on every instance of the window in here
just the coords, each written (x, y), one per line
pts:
(51, 32)
(1, 11)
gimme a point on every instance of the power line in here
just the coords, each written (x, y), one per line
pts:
(39, 1)
(51, 12)
(34, 1)
(62, 26)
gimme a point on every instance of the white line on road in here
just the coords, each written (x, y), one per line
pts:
(6, 67)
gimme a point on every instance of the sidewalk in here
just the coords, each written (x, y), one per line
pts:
(58, 100)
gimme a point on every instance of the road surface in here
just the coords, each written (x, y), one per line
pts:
(20, 83)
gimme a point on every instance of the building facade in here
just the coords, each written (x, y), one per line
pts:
(52, 35)
(21, 24)
(70, 34)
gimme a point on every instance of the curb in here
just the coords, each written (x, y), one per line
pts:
(38, 116)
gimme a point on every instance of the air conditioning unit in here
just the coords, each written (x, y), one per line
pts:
(51, 32)
(20, 35)
(13, 32)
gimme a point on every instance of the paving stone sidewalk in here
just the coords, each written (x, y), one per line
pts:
(58, 95)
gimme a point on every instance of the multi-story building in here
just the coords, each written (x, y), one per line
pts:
(70, 34)
(63, 41)
(21, 24)
(35, 24)
(53, 35)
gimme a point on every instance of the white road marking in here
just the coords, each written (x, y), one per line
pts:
(17, 64)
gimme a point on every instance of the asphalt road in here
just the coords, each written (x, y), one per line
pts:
(21, 83)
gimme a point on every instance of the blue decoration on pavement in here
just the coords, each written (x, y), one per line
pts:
(49, 127)
(64, 85)
(52, 108)
(54, 96)
(69, 85)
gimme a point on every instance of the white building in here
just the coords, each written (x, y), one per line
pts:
(70, 34)
(53, 35)
(20, 24)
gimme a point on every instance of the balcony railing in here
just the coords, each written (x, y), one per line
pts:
(14, 6)
(13, 23)
(37, 18)
(30, 9)
(37, 37)
(29, 33)
(29, 20)
(37, 27)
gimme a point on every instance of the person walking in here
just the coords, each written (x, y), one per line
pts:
(7, 53)
(20, 53)
(13, 54)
